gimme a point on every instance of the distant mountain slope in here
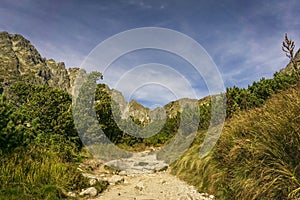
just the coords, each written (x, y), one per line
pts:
(19, 60)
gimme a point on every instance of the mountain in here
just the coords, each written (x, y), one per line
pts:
(134, 109)
(19, 60)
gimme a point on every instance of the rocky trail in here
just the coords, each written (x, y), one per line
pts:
(161, 185)
(140, 177)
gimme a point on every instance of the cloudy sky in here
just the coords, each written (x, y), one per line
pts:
(243, 38)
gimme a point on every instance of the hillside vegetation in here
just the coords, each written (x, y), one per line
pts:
(39, 145)
(257, 155)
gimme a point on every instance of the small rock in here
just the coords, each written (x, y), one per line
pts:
(105, 179)
(115, 179)
(89, 176)
(211, 196)
(91, 191)
(160, 168)
(71, 194)
(92, 181)
(122, 173)
(139, 186)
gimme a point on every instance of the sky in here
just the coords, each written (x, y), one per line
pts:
(242, 38)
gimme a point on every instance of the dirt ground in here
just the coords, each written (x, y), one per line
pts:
(161, 185)
(140, 181)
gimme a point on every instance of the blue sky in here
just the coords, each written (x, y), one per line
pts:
(242, 37)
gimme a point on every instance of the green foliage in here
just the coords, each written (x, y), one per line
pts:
(256, 94)
(38, 143)
(35, 114)
(83, 112)
(167, 132)
(105, 116)
(111, 129)
(204, 116)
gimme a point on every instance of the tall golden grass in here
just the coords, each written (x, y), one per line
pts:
(256, 157)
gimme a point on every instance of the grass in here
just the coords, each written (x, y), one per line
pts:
(256, 157)
(38, 174)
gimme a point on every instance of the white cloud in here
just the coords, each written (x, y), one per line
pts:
(64, 53)
(156, 82)
(248, 57)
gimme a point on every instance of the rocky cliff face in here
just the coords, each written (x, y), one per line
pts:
(19, 60)
(134, 109)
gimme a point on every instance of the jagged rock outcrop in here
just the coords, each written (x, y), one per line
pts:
(19, 60)
(134, 109)
(138, 111)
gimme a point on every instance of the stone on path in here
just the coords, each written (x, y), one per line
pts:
(115, 179)
(139, 186)
(91, 191)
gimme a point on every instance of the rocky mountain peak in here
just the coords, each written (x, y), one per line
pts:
(20, 60)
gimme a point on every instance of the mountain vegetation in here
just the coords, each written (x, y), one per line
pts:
(39, 145)
(256, 157)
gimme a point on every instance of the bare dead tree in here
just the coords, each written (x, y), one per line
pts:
(288, 46)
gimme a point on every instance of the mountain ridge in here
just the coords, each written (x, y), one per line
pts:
(20, 61)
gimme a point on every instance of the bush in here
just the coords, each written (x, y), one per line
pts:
(39, 146)
(256, 94)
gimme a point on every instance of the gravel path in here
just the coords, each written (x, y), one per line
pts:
(143, 177)
(160, 185)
